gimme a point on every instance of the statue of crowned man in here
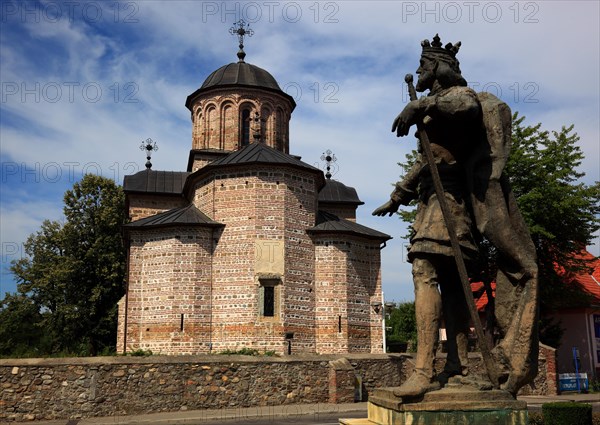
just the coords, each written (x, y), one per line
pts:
(469, 137)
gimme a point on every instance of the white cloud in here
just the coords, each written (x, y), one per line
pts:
(159, 52)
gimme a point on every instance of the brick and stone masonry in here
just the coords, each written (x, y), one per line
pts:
(194, 291)
(250, 274)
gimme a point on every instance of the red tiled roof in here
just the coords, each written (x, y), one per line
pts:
(481, 298)
(587, 282)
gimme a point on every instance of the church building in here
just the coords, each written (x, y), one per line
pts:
(250, 247)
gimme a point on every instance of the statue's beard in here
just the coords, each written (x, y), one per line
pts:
(421, 86)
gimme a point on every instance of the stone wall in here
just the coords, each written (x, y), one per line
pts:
(546, 381)
(72, 388)
(36, 389)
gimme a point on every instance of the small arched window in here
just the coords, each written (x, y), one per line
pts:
(211, 128)
(280, 131)
(245, 139)
(197, 129)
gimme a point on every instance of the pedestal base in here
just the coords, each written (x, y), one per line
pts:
(447, 406)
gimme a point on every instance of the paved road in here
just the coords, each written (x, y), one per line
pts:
(311, 419)
(298, 414)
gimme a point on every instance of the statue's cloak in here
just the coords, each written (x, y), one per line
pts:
(498, 219)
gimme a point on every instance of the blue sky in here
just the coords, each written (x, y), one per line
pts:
(84, 82)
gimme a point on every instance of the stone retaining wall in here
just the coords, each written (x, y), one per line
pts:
(72, 388)
(35, 389)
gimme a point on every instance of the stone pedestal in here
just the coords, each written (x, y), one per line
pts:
(448, 406)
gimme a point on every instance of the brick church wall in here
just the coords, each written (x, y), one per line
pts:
(299, 302)
(230, 200)
(261, 204)
(169, 291)
(348, 283)
(143, 205)
(331, 293)
(364, 289)
(342, 211)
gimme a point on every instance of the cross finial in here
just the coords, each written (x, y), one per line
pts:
(329, 159)
(240, 28)
(148, 145)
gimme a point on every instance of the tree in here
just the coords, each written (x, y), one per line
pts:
(74, 272)
(20, 328)
(560, 210)
(402, 324)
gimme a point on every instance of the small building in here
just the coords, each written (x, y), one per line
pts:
(250, 247)
(579, 320)
(581, 323)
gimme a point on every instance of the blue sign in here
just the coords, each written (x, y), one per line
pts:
(568, 382)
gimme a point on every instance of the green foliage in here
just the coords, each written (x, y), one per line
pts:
(140, 353)
(535, 418)
(402, 324)
(20, 327)
(72, 278)
(560, 210)
(567, 413)
(242, 351)
(248, 352)
(409, 214)
(551, 332)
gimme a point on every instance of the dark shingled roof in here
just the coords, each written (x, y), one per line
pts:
(262, 154)
(240, 74)
(339, 193)
(330, 223)
(182, 216)
(150, 181)
(194, 153)
(255, 153)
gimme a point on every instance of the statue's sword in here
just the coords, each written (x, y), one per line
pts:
(488, 361)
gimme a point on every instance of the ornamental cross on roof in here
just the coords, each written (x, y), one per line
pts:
(330, 165)
(240, 28)
(148, 145)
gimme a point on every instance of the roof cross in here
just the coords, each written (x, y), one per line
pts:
(148, 145)
(241, 29)
(330, 159)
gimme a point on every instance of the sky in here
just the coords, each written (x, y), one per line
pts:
(83, 83)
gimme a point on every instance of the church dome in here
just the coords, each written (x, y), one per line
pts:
(338, 193)
(237, 75)
(241, 73)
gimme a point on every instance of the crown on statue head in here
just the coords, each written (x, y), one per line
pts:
(434, 48)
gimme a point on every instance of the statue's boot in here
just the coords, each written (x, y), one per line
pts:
(450, 371)
(457, 359)
(511, 386)
(417, 385)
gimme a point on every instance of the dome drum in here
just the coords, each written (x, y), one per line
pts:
(228, 119)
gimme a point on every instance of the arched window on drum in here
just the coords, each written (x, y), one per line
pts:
(245, 126)
(266, 115)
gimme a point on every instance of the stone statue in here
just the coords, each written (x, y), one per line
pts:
(468, 135)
